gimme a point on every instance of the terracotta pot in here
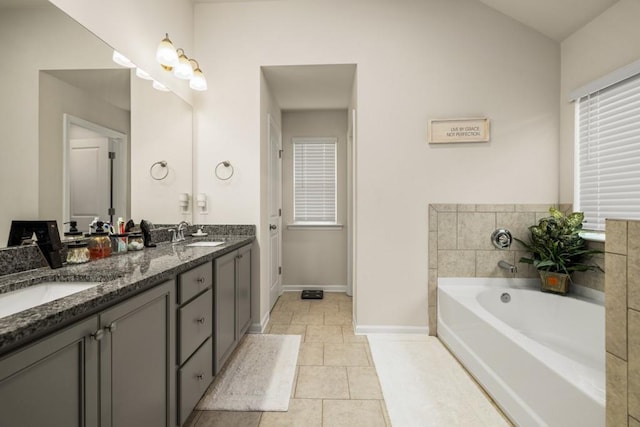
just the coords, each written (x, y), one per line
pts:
(557, 283)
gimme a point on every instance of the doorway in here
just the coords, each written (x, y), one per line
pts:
(94, 172)
(295, 93)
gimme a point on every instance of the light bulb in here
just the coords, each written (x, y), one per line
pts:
(120, 59)
(183, 70)
(166, 54)
(198, 82)
(143, 74)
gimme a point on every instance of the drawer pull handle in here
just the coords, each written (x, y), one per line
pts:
(98, 335)
(200, 280)
(112, 327)
(200, 376)
(200, 320)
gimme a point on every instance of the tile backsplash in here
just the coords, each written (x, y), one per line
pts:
(622, 260)
(460, 244)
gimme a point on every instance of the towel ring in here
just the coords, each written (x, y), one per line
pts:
(162, 164)
(226, 164)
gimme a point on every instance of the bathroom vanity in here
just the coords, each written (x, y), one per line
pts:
(138, 349)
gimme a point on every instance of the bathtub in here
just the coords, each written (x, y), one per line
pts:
(540, 356)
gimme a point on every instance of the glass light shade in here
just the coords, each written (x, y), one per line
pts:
(120, 59)
(159, 86)
(183, 70)
(198, 82)
(143, 74)
(166, 54)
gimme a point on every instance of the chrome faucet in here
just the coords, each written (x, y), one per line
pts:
(506, 266)
(181, 227)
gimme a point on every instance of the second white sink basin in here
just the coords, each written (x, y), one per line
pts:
(196, 244)
(42, 293)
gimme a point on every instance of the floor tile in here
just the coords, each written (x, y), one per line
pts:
(349, 336)
(289, 330)
(338, 318)
(324, 307)
(228, 419)
(322, 382)
(280, 317)
(353, 354)
(321, 333)
(307, 318)
(352, 413)
(311, 353)
(192, 419)
(302, 412)
(363, 383)
(296, 306)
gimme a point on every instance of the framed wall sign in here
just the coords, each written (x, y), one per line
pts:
(443, 131)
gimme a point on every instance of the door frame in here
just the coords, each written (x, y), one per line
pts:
(271, 127)
(120, 167)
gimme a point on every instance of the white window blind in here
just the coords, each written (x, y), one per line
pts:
(314, 180)
(608, 153)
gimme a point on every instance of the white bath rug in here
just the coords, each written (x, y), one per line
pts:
(423, 385)
(258, 377)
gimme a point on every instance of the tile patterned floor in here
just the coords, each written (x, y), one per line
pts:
(336, 383)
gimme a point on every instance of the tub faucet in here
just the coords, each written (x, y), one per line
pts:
(506, 266)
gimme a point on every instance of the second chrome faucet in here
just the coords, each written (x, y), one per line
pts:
(506, 266)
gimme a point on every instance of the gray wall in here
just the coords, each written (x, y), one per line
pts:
(314, 256)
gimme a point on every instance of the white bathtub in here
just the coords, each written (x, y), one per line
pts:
(540, 356)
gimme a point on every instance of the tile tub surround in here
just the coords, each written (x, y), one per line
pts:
(24, 258)
(460, 244)
(622, 283)
(122, 276)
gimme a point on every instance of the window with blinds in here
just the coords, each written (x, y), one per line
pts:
(314, 180)
(608, 153)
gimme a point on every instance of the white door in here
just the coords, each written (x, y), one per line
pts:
(90, 188)
(275, 212)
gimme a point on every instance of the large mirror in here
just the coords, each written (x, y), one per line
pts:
(61, 94)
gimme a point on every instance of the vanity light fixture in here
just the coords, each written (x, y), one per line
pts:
(197, 82)
(120, 59)
(183, 67)
(159, 86)
(166, 54)
(143, 74)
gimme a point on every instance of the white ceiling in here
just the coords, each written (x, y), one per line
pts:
(556, 19)
(305, 87)
(110, 85)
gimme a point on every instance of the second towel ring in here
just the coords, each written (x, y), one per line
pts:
(162, 164)
(226, 164)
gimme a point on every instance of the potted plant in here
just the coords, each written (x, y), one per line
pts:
(558, 250)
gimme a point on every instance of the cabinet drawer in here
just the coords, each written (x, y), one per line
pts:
(193, 379)
(194, 281)
(195, 325)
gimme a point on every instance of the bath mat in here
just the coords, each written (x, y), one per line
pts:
(258, 377)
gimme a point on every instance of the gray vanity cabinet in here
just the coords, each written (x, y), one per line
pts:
(114, 369)
(53, 382)
(232, 302)
(195, 346)
(137, 360)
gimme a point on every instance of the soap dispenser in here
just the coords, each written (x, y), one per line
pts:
(73, 230)
(99, 243)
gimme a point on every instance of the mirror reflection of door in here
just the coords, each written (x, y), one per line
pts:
(89, 174)
(94, 159)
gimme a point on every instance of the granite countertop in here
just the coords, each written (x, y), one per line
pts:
(122, 276)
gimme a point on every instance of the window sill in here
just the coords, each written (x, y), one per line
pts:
(592, 236)
(311, 226)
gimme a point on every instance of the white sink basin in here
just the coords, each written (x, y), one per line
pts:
(32, 296)
(210, 244)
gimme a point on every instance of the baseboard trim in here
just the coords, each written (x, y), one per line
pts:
(387, 329)
(326, 288)
(258, 328)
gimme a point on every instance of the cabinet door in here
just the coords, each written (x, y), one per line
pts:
(225, 309)
(137, 360)
(243, 283)
(53, 382)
